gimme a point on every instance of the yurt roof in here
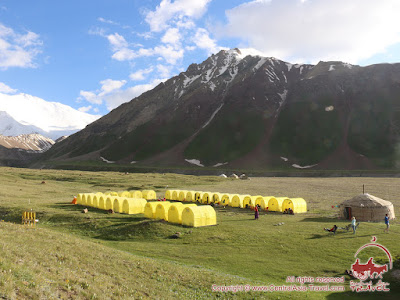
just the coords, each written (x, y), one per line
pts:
(366, 200)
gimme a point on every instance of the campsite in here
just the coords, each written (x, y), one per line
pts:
(98, 255)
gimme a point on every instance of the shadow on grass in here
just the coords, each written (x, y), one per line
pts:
(13, 215)
(324, 220)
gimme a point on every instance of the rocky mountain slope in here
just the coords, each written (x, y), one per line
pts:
(252, 112)
(20, 150)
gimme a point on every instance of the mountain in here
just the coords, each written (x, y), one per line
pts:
(26, 114)
(21, 150)
(28, 142)
(251, 112)
(10, 127)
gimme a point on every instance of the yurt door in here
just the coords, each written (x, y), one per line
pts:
(348, 213)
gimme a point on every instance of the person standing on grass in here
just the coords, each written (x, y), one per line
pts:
(256, 214)
(387, 223)
(353, 224)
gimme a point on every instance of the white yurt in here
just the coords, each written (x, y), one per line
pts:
(366, 208)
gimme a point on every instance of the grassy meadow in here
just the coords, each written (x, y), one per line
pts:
(114, 256)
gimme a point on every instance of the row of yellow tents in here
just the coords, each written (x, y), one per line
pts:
(133, 203)
(270, 203)
(179, 213)
(119, 204)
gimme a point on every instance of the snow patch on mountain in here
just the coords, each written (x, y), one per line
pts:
(302, 167)
(213, 115)
(259, 64)
(106, 160)
(195, 162)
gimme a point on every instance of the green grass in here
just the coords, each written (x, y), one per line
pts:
(100, 255)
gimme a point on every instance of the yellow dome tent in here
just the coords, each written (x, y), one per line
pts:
(117, 205)
(175, 195)
(196, 216)
(298, 205)
(149, 194)
(237, 200)
(83, 199)
(206, 198)
(110, 203)
(102, 202)
(175, 212)
(182, 195)
(275, 204)
(198, 196)
(263, 202)
(216, 197)
(248, 203)
(133, 206)
(168, 194)
(95, 200)
(135, 194)
(150, 209)
(124, 194)
(190, 196)
(89, 199)
(79, 198)
(99, 199)
(111, 193)
(226, 199)
(162, 210)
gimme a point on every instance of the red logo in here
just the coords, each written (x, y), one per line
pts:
(370, 270)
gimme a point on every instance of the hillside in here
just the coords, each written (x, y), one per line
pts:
(251, 112)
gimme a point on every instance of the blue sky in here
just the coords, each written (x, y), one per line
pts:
(94, 55)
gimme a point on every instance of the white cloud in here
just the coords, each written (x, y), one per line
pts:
(108, 86)
(91, 97)
(124, 54)
(118, 97)
(140, 74)
(316, 30)
(6, 89)
(85, 108)
(203, 41)
(178, 10)
(18, 50)
(172, 36)
(107, 21)
(117, 41)
(164, 71)
(169, 53)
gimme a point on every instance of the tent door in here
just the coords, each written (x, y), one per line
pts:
(348, 213)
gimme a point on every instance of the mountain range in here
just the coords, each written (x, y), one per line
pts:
(241, 111)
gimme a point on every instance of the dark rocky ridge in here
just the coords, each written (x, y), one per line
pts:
(248, 112)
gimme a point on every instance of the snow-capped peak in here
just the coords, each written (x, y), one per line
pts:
(52, 119)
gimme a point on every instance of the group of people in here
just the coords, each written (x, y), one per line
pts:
(288, 211)
(257, 214)
(354, 225)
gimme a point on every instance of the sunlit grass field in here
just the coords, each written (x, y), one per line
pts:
(114, 256)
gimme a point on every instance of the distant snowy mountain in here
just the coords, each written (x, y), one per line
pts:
(29, 142)
(28, 114)
(10, 127)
